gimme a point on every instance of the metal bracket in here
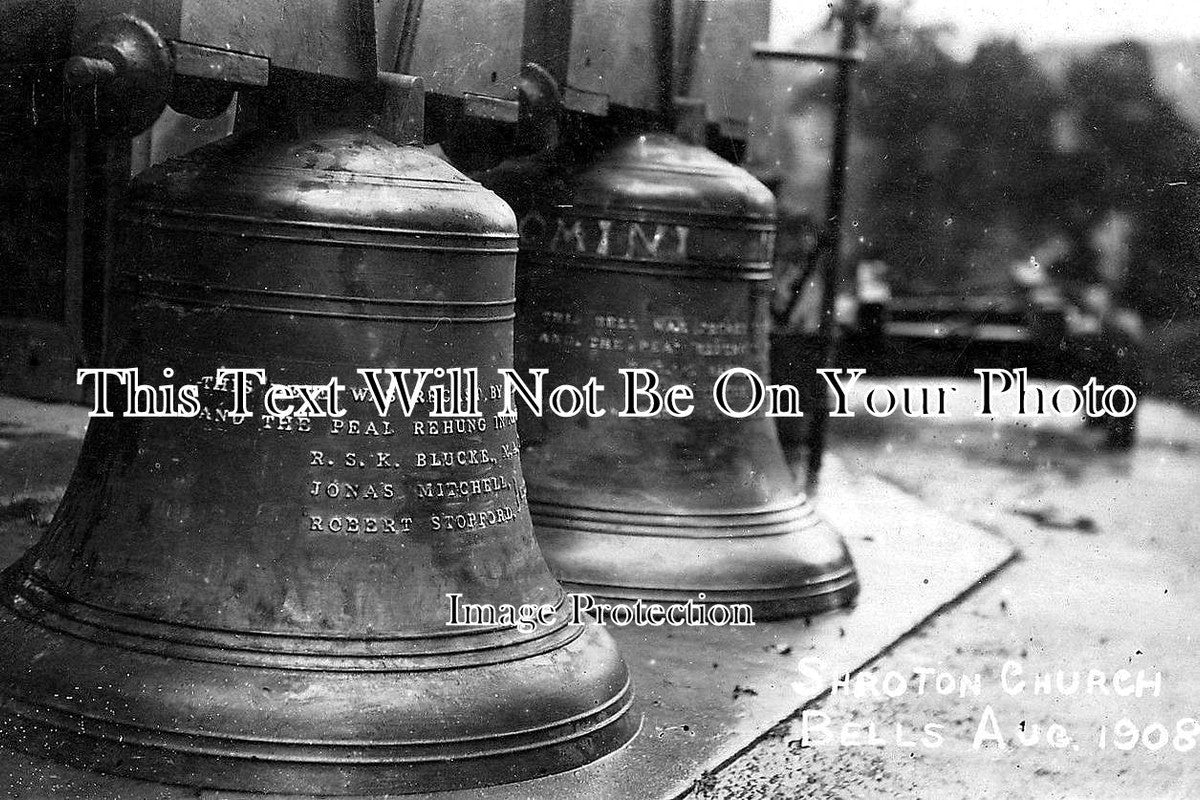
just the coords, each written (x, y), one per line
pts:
(120, 76)
(401, 108)
(227, 66)
(584, 102)
(691, 120)
(496, 109)
(765, 51)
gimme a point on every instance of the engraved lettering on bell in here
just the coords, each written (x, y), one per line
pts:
(605, 237)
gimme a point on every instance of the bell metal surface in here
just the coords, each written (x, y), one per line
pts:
(658, 256)
(263, 605)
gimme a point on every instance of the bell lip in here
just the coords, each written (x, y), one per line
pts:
(798, 572)
(782, 517)
(27, 595)
(826, 583)
(838, 592)
(223, 749)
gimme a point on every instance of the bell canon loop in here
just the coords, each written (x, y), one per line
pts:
(262, 603)
(658, 256)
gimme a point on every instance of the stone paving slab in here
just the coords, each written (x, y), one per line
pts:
(38, 446)
(1108, 580)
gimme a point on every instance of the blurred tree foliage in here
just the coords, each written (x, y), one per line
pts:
(965, 168)
(1145, 160)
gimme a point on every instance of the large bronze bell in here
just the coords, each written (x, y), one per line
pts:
(658, 256)
(263, 605)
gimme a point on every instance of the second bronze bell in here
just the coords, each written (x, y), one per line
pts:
(658, 256)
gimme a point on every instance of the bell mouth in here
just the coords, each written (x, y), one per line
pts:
(300, 731)
(794, 565)
(765, 605)
(30, 597)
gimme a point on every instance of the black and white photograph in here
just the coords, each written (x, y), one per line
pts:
(599, 399)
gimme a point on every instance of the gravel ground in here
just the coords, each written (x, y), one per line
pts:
(1107, 581)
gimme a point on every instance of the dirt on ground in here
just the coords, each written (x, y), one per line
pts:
(1106, 581)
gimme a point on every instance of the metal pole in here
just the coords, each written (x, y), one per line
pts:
(666, 60)
(697, 12)
(827, 333)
